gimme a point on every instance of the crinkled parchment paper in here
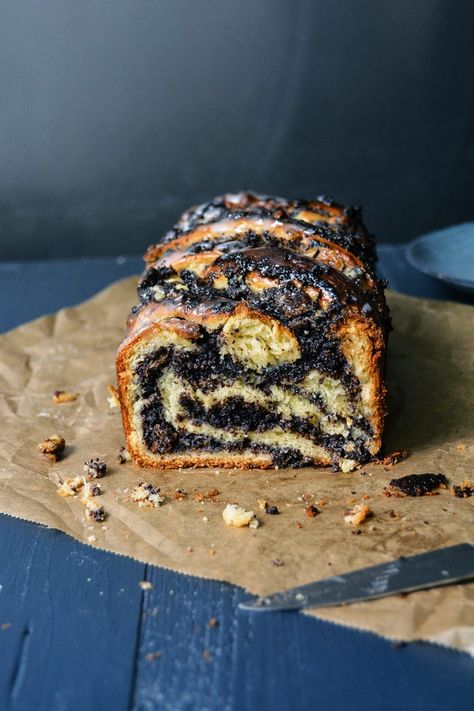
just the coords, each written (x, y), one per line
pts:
(431, 385)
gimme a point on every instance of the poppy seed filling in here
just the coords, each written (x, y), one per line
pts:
(258, 340)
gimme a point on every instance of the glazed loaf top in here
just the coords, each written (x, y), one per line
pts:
(251, 299)
(319, 243)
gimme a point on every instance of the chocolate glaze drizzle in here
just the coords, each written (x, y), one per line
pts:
(309, 296)
(330, 215)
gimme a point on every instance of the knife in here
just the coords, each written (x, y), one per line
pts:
(417, 572)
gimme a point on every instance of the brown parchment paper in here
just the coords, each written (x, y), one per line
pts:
(431, 386)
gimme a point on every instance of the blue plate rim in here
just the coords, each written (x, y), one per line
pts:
(420, 266)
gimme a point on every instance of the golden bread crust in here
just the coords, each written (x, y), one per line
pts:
(226, 280)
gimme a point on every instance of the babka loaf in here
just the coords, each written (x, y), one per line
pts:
(258, 341)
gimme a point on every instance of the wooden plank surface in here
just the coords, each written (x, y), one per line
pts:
(278, 661)
(78, 632)
(69, 617)
(74, 634)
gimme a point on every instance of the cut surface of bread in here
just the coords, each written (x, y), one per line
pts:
(258, 341)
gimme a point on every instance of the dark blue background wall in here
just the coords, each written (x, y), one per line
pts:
(117, 114)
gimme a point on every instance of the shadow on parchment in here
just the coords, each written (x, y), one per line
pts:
(430, 383)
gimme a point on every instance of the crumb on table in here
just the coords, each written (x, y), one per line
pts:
(90, 488)
(151, 656)
(417, 485)
(145, 585)
(268, 508)
(62, 396)
(123, 456)
(52, 447)
(201, 495)
(147, 495)
(237, 516)
(272, 510)
(463, 490)
(113, 398)
(392, 458)
(358, 514)
(71, 486)
(95, 468)
(95, 511)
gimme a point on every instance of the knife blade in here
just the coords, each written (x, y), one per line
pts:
(426, 570)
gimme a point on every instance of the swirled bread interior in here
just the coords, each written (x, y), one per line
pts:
(258, 341)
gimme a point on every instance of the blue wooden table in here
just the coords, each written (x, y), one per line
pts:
(77, 632)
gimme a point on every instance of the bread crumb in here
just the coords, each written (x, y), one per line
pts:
(94, 511)
(113, 398)
(271, 509)
(237, 516)
(71, 486)
(62, 396)
(268, 508)
(145, 585)
(123, 456)
(463, 491)
(95, 468)
(213, 623)
(392, 458)
(200, 496)
(417, 485)
(90, 488)
(147, 495)
(52, 447)
(151, 656)
(358, 514)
